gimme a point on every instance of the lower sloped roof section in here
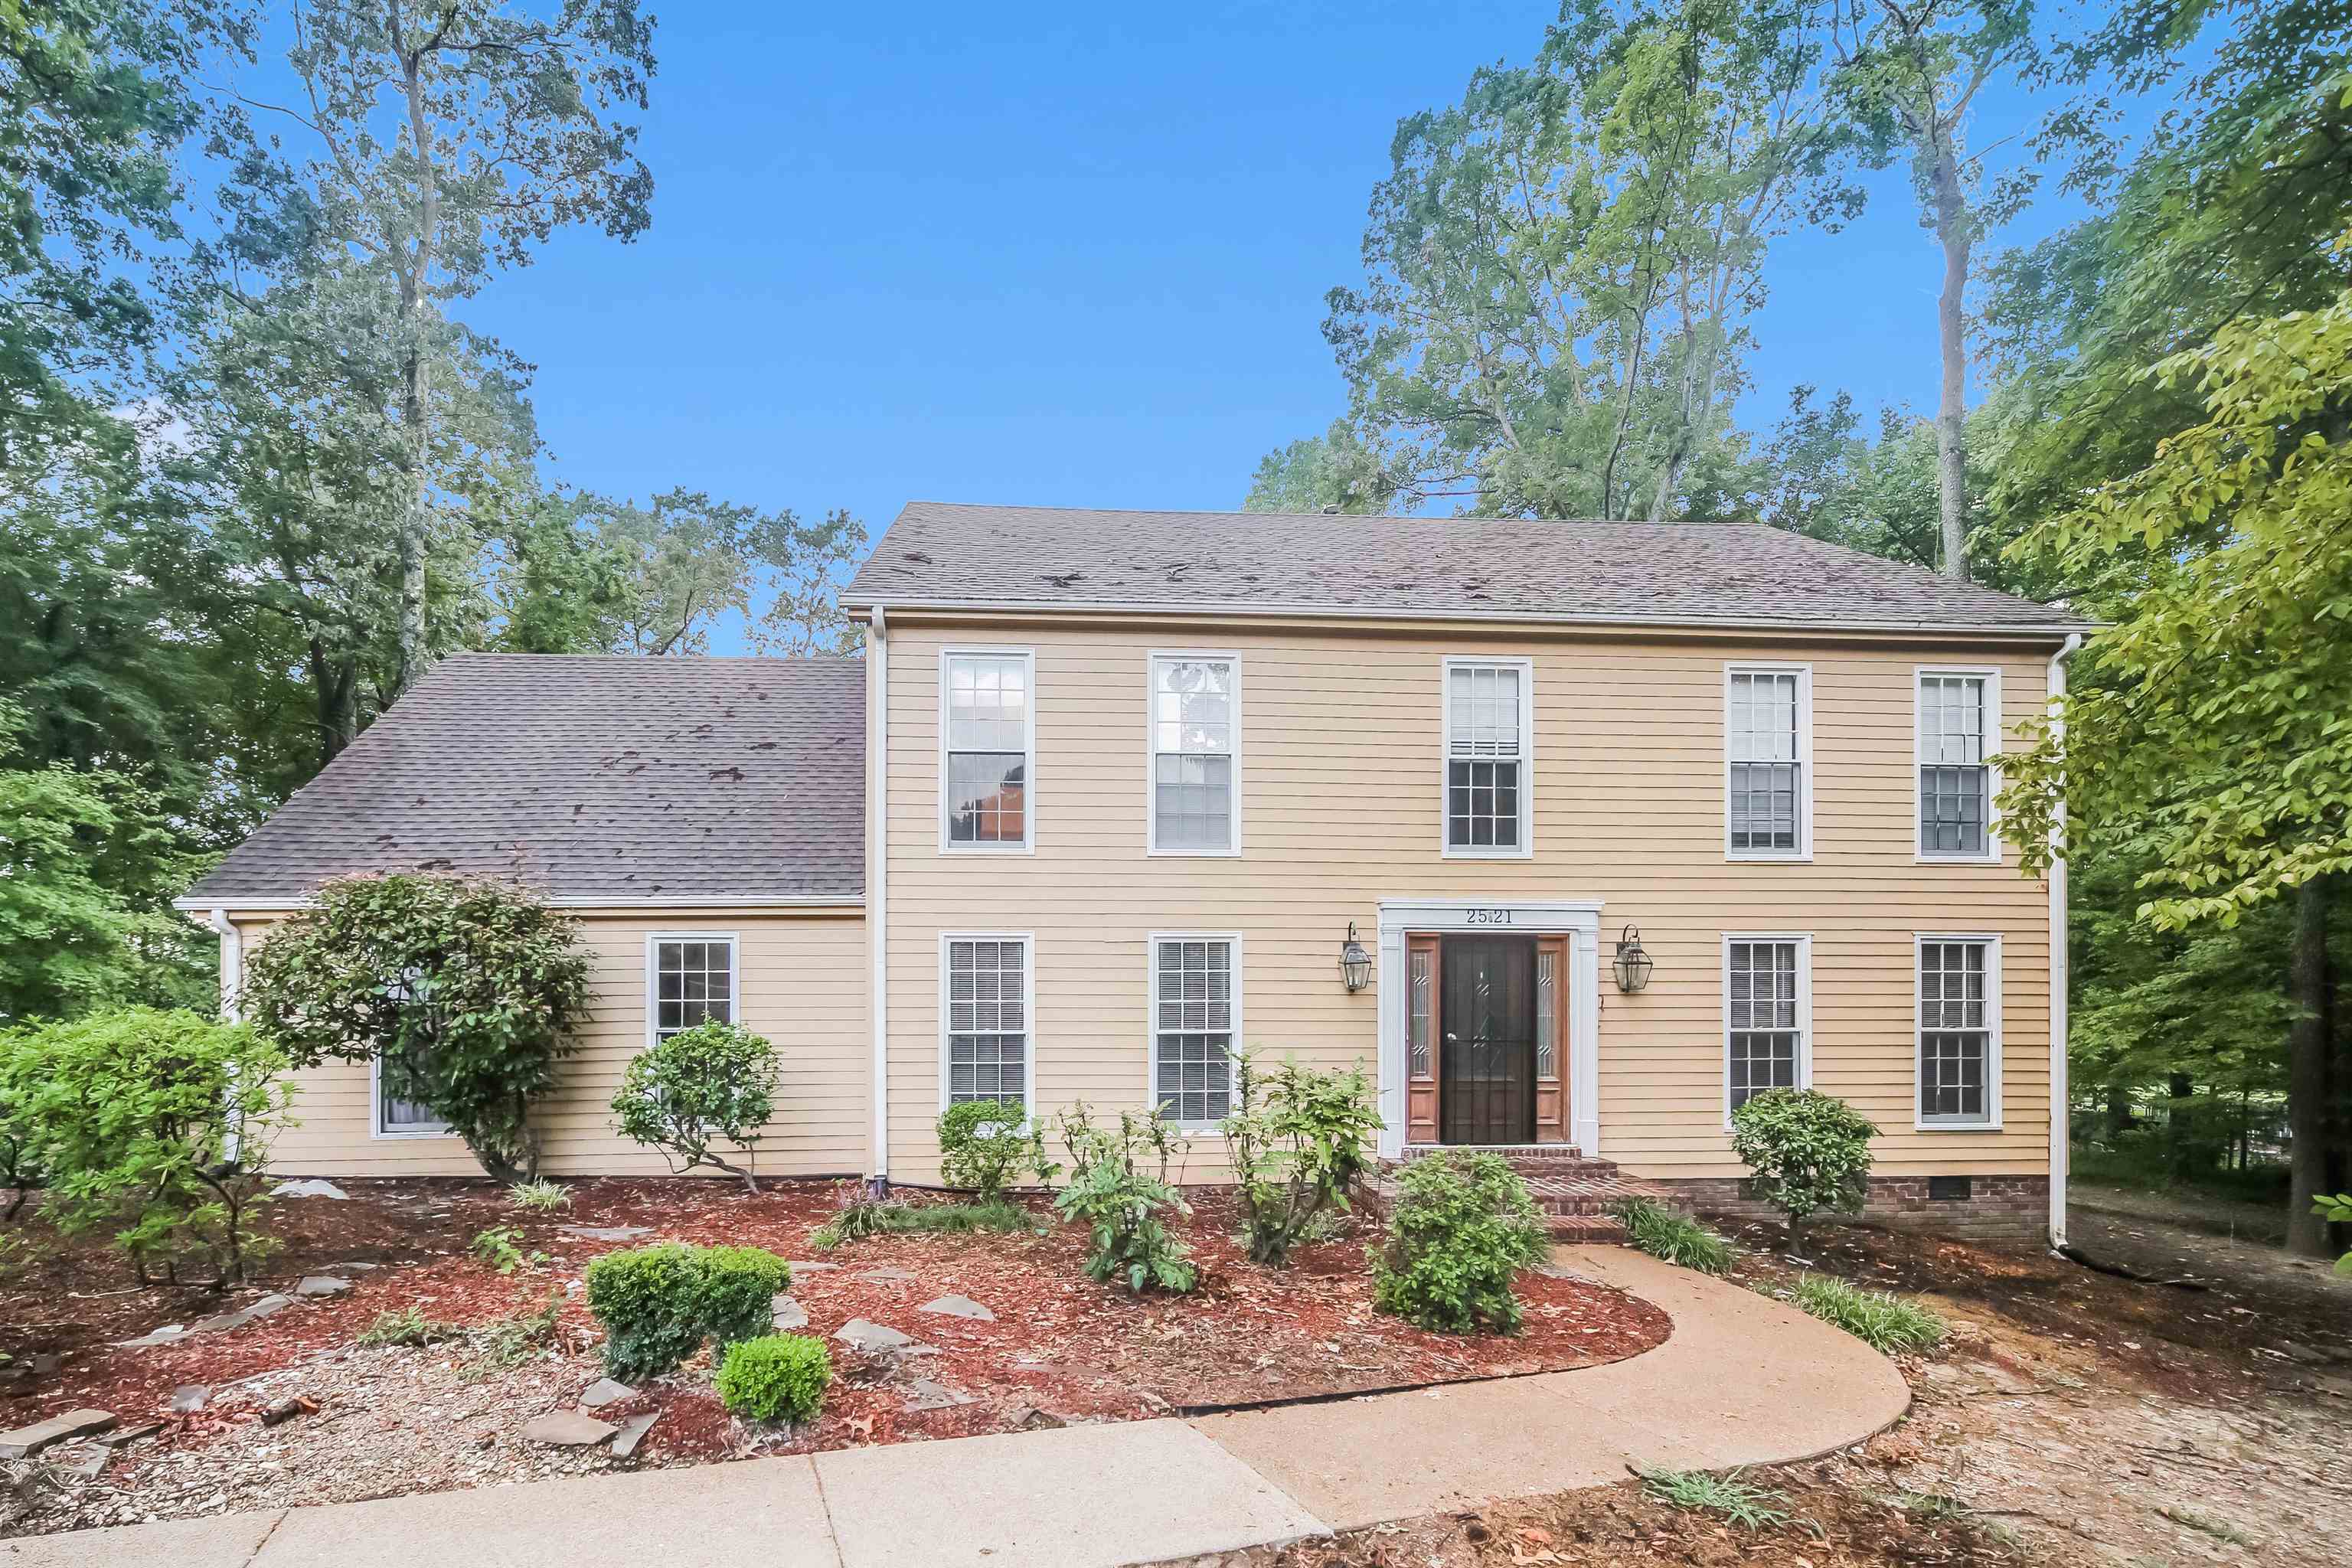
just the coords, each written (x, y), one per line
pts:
(693, 781)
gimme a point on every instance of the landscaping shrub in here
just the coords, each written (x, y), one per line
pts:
(1809, 1153)
(540, 1197)
(1459, 1231)
(156, 1126)
(985, 1143)
(855, 1215)
(775, 1378)
(649, 1301)
(1677, 1238)
(1883, 1322)
(1298, 1140)
(692, 1089)
(2336, 1207)
(499, 1247)
(1121, 1206)
(463, 989)
(409, 1327)
(737, 1289)
(658, 1303)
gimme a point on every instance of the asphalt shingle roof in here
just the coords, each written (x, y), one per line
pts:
(1672, 573)
(637, 780)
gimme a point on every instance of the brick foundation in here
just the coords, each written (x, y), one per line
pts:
(2014, 1209)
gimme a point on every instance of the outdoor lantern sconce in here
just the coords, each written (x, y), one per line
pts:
(1355, 963)
(1632, 965)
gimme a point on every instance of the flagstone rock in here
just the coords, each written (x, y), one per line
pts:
(787, 1314)
(568, 1429)
(193, 1397)
(864, 1334)
(163, 1336)
(84, 1462)
(632, 1431)
(886, 1275)
(803, 1266)
(313, 1188)
(928, 1394)
(27, 1441)
(264, 1308)
(322, 1285)
(957, 1307)
(607, 1232)
(602, 1392)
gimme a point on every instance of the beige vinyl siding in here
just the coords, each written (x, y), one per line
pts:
(803, 984)
(1340, 778)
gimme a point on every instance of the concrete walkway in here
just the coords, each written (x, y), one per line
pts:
(1742, 1381)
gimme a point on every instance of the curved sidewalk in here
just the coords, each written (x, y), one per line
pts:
(1743, 1380)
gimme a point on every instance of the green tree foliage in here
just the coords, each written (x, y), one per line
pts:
(1298, 1141)
(156, 1124)
(1460, 1230)
(697, 1086)
(1123, 1206)
(986, 1144)
(1809, 1152)
(464, 991)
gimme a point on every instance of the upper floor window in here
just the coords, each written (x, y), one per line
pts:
(1489, 748)
(988, 749)
(693, 982)
(1195, 735)
(1768, 751)
(1195, 1003)
(1768, 1009)
(1959, 729)
(987, 1019)
(1960, 1031)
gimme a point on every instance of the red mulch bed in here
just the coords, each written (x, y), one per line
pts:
(1061, 1348)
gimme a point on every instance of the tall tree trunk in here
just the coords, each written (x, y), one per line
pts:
(2309, 1072)
(1956, 231)
(335, 689)
(415, 392)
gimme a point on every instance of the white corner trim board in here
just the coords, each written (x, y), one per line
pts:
(2060, 963)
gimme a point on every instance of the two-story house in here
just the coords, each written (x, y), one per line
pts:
(1571, 834)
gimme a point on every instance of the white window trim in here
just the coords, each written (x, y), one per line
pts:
(1990, 676)
(653, 974)
(1526, 848)
(1152, 749)
(1152, 1018)
(1028, 845)
(376, 1128)
(1804, 942)
(1990, 1122)
(1028, 940)
(1804, 674)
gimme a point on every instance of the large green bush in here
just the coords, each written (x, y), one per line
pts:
(1298, 1140)
(464, 990)
(1809, 1153)
(1460, 1231)
(154, 1125)
(712, 1082)
(1122, 1206)
(776, 1377)
(658, 1303)
(985, 1143)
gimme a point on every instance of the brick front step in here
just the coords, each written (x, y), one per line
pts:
(1572, 1228)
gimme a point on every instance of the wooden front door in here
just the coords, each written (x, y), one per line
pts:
(1486, 1040)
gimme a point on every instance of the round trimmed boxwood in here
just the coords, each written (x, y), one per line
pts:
(739, 1289)
(659, 1303)
(776, 1377)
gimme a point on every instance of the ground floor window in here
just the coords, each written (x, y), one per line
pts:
(1959, 992)
(1768, 1011)
(396, 1118)
(987, 1018)
(1195, 1008)
(693, 982)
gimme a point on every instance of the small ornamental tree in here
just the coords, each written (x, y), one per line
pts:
(985, 1143)
(714, 1081)
(464, 991)
(156, 1126)
(1809, 1153)
(1299, 1139)
(1459, 1233)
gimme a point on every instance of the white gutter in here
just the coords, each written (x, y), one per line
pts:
(274, 906)
(2060, 1108)
(878, 875)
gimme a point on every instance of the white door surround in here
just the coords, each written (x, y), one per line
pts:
(1578, 919)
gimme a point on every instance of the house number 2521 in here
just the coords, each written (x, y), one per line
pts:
(1490, 917)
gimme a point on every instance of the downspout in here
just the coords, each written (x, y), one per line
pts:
(877, 881)
(232, 980)
(2060, 1105)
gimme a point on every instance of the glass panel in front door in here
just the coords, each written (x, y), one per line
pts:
(1486, 1092)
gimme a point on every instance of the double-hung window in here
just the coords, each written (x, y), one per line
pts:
(1768, 1015)
(1960, 1031)
(1768, 757)
(1195, 1012)
(1489, 746)
(396, 1118)
(1959, 730)
(693, 982)
(1195, 737)
(988, 750)
(987, 1018)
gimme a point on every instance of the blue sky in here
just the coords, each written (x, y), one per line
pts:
(1054, 255)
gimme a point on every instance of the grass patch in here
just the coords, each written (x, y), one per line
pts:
(2220, 1529)
(1676, 1238)
(540, 1197)
(861, 1219)
(409, 1327)
(517, 1336)
(1883, 1322)
(1939, 1505)
(1749, 1506)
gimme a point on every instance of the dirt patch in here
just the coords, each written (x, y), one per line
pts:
(1059, 1348)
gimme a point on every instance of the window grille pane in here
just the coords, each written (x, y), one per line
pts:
(1482, 804)
(1765, 1044)
(988, 704)
(1547, 1014)
(1955, 1030)
(1761, 1060)
(1764, 805)
(1763, 715)
(1192, 706)
(1952, 810)
(988, 797)
(1484, 710)
(1192, 797)
(1952, 1075)
(1193, 1078)
(1420, 1023)
(988, 1021)
(1951, 719)
(988, 749)
(694, 983)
